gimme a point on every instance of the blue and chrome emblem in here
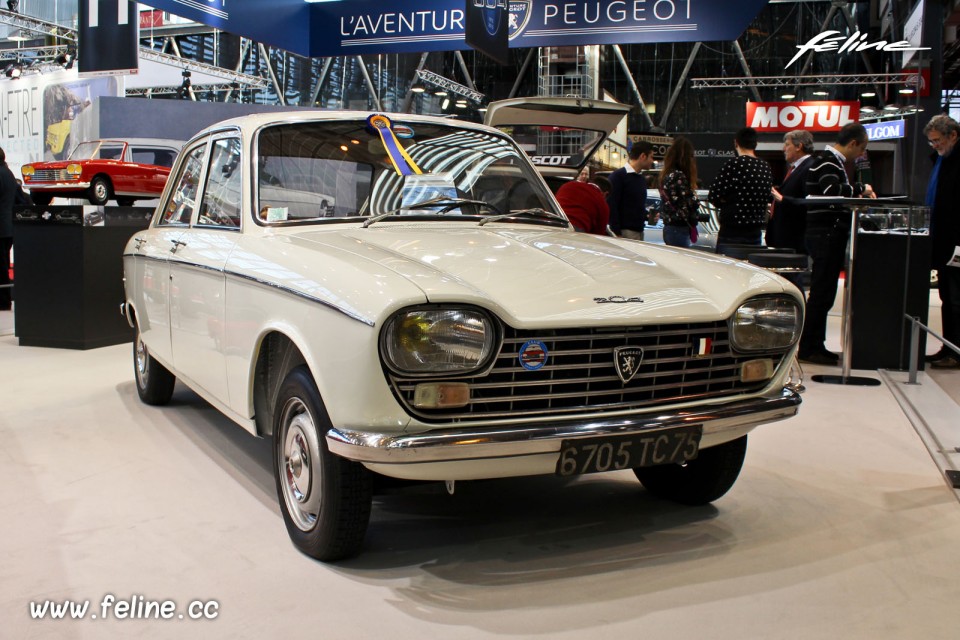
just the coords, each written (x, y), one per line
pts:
(533, 355)
(492, 11)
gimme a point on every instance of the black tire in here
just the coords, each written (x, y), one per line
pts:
(41, 199)
(154, 382)
(126, 202)
(701, 480)
(325, 499)
(100, 190)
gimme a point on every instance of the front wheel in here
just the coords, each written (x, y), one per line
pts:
(325, 499)
(701, 480)
(100, 191)
(154, 382)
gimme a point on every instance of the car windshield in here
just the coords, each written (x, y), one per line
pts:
(315, 171)
(97, 150)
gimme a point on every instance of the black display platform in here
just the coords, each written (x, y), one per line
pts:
(70, 274)
(891, 278)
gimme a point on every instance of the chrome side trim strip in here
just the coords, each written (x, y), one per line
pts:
(247, 278)
(450, 445)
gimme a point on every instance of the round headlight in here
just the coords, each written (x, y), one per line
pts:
(430, 341)
(764, 324)
(74, 169)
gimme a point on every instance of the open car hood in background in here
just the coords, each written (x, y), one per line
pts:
(599, 116)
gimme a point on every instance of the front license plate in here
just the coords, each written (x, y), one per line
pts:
(593, 455)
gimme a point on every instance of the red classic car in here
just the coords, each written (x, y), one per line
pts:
(102, 170)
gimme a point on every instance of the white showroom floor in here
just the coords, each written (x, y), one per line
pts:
(841, 526)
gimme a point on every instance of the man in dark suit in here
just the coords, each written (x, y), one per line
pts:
(10, 192)
(828, 229)
(788, 220)
(627, 199)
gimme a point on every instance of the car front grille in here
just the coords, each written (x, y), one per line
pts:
(580, 373)
(49, 175)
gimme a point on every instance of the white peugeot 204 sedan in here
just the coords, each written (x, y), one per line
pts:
(401, 295)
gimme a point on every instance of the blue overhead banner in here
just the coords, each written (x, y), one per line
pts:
(279, 23)
(353, 27)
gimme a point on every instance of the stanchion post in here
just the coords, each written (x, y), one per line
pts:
(914, 348)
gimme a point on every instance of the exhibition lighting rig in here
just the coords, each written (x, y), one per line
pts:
(40, 27)
(800, 81)
(228, 76)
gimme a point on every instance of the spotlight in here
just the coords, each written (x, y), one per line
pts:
(14, 70)
(67, 59)
(418, 89)
(184, 89)
(13, 5)
(18, 36)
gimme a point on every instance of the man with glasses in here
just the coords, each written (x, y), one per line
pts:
(828, 229)
(788, 220)
(943, 198)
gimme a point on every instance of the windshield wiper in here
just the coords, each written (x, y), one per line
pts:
(535, 212)
(443, 203)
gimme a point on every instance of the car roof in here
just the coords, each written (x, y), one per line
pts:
(252, 122)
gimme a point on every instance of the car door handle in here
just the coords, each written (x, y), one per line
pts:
(176, 245)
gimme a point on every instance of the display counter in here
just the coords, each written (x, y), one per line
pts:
(70, 274)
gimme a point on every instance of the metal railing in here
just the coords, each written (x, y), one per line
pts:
(915, 327)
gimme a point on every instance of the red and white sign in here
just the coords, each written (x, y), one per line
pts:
(819, 115)
(151, 19)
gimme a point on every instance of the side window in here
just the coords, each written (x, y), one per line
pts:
(221, 197)
(153, 155)
(183, 198)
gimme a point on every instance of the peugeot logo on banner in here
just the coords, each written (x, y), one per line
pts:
(519, 12)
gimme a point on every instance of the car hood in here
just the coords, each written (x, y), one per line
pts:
(535, 277)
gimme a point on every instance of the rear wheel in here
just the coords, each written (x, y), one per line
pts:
(701, 480)
(154, 382)
(100, 190)
(325, 499)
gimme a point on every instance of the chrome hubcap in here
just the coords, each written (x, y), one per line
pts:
(300, 464)
(141, 362)
(101, 190)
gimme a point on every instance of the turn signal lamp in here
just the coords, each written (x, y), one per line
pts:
(756, 370)
(443, 395)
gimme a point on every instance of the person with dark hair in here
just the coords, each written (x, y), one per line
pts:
(628, 193)
(742, 191)
(678, 179)
(828, 229)
(10, 193)
(585, 207)
(943, 198)
(788, 220)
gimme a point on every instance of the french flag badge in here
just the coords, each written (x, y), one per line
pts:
(703, 347)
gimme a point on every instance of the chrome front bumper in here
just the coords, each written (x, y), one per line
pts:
(478, 443)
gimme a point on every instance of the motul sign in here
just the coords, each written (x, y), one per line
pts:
(821, 115)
